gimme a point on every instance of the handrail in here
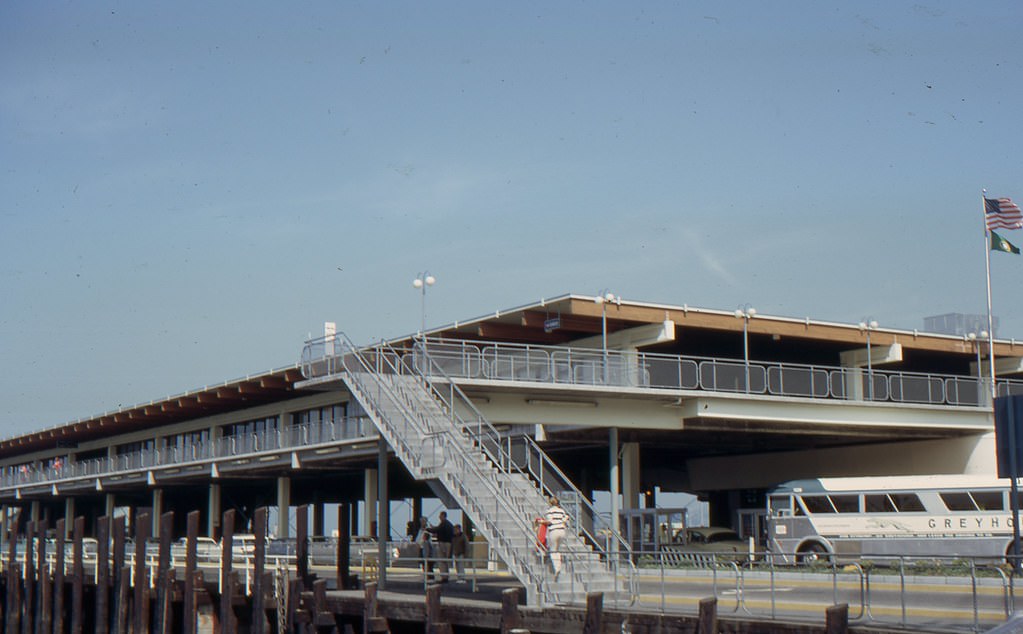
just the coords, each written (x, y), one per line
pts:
(581, 366)
(541, 473)
(513, 556)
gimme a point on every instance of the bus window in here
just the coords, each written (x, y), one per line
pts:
(817, 504)
(878, 503)
(846, 503)
(781, 505)
(907, 502)
(958, 501)
(989, 500)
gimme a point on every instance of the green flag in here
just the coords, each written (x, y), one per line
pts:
(998, 243)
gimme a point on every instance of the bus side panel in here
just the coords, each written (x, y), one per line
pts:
(786, 533)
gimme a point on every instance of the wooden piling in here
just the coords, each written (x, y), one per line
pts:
(594, 613)
(837, 619)
(44, 592)
(119, 603)
(164, 574)
(188, 608)
(227, 621)
(259, 558)
(143, 526)
(58, 578)
(102, 624)
(77, 577)
(11, 607)
(510, 617)
(371, 622)
(31, 533)
(708, 619)
(434, 621)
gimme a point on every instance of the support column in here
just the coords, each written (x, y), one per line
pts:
(318, 513)
(383, 512)
(369, 499)
(283, 506)
(214, 512)
(157, 512)
(614, 486)
(630, 475)
(109, 503)
(69, 515)
(33, 513)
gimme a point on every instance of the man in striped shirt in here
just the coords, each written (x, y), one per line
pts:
(556, 520)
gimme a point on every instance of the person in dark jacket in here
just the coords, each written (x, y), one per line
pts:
(443, 532)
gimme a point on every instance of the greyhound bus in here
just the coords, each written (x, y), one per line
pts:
(911, 516)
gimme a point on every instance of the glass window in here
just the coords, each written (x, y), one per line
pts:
(878, 503)
(846, 503)
(907, 502)
(780, 505)
(817, 504)
(958, 501)
(989, 500)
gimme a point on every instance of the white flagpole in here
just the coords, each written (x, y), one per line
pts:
(990, 319)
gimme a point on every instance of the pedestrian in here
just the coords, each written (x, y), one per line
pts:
(459, 551)
(444, 532)
(423, 541)
(556, 520)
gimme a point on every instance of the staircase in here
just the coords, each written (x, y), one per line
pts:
(501, 482)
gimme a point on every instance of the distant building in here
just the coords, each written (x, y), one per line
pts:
(959, 324)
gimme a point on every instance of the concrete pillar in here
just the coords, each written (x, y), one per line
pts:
(614, 486)
(214, 512)
(33, 514)
(369, 499)
(157, 512)
(69, 515)
(283, 506)
(383, 512)
(630, 475)
(109, 503)
(318, 514)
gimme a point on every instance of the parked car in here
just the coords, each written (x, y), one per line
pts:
(703, 543)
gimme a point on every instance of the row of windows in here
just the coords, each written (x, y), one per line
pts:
(900, 502)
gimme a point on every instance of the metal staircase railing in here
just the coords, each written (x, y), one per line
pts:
(500, 482)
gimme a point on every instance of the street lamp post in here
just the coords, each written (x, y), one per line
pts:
(977, 338)
(745, 313)
(423, 280)
(604, 298)
(866, 326)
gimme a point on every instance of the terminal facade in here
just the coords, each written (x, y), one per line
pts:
(626, 397)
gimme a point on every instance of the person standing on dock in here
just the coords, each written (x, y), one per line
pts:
(443, 531)
(459, 551)
(556, 520)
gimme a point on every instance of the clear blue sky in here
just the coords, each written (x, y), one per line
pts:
(189, 189)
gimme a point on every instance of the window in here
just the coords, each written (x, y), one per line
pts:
(878, 503)
(817, 504)
(907, 502)
(958, 501)
(846, 503)
(989, 500)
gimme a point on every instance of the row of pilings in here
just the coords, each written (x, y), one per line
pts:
(51, 585)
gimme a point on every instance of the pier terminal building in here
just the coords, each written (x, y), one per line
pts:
(580, 394)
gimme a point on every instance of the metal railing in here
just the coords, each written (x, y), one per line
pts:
(958, 593)
(417, 412)
(328, 432)
(577, 366)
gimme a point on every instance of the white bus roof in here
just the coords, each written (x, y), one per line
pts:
(892, 483)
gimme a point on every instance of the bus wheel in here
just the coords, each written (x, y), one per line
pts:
(813, 553)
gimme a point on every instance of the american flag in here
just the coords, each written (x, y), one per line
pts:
(1002, 213)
